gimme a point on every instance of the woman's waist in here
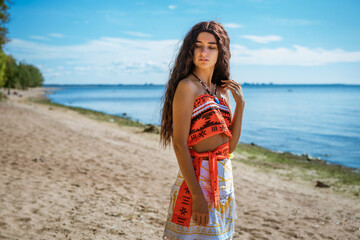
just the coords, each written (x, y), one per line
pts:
(221, 152)
(209, 143)
(220, 159)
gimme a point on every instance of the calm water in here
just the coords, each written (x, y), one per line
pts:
(320, 120)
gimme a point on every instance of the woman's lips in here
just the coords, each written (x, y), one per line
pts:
(204, 60)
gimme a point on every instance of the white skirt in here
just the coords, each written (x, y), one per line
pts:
(221, 219)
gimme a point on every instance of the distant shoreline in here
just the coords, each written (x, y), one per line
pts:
(243, 84)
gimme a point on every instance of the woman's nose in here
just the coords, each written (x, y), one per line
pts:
(204, 52)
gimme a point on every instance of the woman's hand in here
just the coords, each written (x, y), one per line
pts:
(200, 210)
(235, 89)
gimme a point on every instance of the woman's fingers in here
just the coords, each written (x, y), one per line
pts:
(235, 89)
(195, 217)
(231, 83)
(201, 220)
(227, 83)
(206, 220)
(230, 86)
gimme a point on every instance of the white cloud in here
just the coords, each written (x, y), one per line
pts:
(98, 52)
(122, 60)
(233, 25)
(296, 56)
(263, 39)
(172, 7)
(56, 35)
(38, 37)
(103, 60)
(138, 34)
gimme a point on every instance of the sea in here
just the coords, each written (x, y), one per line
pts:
(322, 121)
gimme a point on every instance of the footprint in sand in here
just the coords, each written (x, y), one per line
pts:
(272, 220)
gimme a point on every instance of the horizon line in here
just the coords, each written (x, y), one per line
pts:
(156, 84)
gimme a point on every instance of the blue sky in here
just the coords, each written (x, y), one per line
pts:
(134, 42)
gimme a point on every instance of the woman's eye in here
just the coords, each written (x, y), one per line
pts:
(210, 47)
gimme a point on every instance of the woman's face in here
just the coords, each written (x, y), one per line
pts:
(205, 51)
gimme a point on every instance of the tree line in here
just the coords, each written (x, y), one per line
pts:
(12, 74)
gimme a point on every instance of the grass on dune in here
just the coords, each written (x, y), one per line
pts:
(301, 166)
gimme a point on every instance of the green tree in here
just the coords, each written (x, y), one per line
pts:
(24, 76)
(36, 78)
(3, 79)
(11, 73)
(4, 19)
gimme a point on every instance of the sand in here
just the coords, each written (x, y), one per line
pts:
(66, 176)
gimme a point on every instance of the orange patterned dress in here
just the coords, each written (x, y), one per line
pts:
(214, 176)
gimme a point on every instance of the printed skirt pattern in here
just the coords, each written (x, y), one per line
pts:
(221, 219)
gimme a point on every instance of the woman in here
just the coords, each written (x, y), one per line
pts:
(196, 116)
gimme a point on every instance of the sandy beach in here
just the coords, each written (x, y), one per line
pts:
(66, 176)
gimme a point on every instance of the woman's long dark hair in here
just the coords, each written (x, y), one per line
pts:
(184, 65)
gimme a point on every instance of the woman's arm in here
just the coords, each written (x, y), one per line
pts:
(236, 122)
(182, 110)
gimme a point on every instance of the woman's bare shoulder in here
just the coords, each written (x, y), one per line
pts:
(187, 87)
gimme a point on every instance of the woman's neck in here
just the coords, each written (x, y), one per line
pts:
(205, 75)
